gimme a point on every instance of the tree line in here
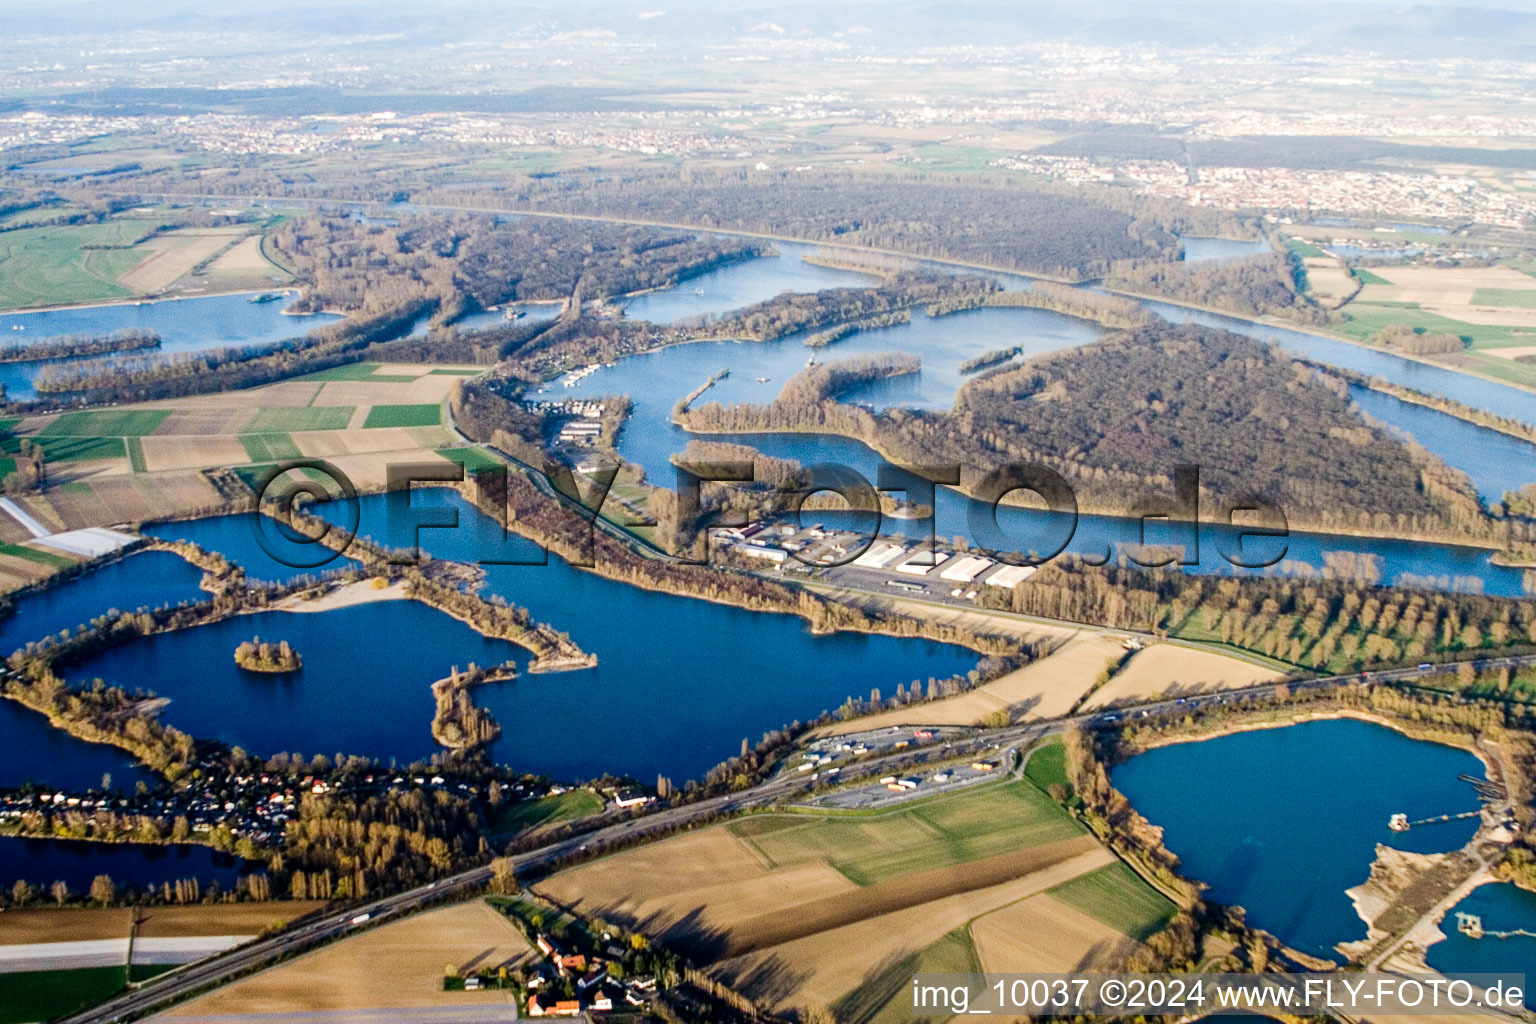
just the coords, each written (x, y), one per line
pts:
(70, 346)
(1115, 417)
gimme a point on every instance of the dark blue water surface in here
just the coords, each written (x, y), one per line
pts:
(45, 861)
(364, 688)
(1503, 907)
(1282, 821)
(31, 750)
(234, 537)
(680, 682)
(184, 325)
(1407, 563)
(149, 579)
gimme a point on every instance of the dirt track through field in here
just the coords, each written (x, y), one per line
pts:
(779, 926)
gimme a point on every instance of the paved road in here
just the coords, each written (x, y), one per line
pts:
(224, 968)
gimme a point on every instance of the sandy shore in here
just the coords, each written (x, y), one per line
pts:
(361, 592)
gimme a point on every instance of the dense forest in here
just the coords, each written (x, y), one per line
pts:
(1417, 341)
(789, 312)
(470, 262)
(1263, 285)
(69, 346)
(1115, 418)
(1044, 232)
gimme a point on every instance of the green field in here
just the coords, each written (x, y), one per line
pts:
(81, 449)
(270, 447)
(1304, 249)
(43, 995)
(283, 419)
(429, 415)
(34, 555)
(1514, 298)
(472, 459)
(70, 264)
(1367, 318)
(552, 810)
(358, 371)
(945, 831)
(1116, 895)
(106, 423)
(7, 467)
(136, 454)
(454, 373)
(1366, 277)
(1047, 766)
(885, 998)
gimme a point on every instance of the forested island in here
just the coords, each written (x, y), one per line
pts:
(260, 656)
(1115, 417)
(70, 346)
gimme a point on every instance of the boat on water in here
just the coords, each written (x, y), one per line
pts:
(763, 380)
(810, 362)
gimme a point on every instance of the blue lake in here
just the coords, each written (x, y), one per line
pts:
(234, 537)
(741, 284)
(148, 579)
(1282, 821)
(364, 688)
(31, 750)
(184, 325)
(45, 861)
(663, 698)
(679, 681)
(1503, 907)
(1408, 563)
(1198, 249)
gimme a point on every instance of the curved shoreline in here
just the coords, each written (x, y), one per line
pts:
(1335, 714)
(942, 261)
(287, 289)
(1098, 512)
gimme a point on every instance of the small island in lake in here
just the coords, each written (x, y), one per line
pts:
(258, 656)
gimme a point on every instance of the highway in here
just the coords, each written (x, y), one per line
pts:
(226, 967)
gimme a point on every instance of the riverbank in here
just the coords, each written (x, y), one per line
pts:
(1090, 508)
(155, 301)
(987, 267)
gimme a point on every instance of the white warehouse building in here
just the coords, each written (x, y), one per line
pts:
(966, 569)
(880, 554)
(1010, 576)
(922, 563)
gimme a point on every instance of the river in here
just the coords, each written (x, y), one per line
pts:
(1282, 821)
